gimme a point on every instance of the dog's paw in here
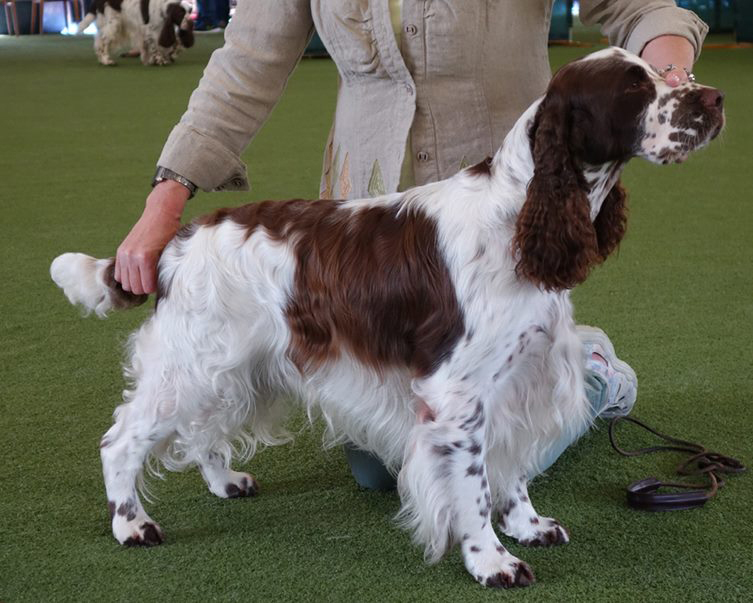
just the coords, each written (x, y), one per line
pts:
(147, 534)
(519, 574)
(241, 485)
(496, 568)
(544, 531)
(131, 526)
(140, 531)
(231, 484)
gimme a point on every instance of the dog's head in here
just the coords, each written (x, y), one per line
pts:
(176, 17)
(597, 113)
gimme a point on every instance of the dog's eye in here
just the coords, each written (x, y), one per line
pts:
(636, 76)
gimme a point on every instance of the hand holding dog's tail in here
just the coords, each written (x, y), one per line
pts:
(91, 283)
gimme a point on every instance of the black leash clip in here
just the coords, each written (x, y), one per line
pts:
(645, 494)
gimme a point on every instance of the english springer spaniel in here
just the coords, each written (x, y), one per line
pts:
(431, 327)
(148, 25)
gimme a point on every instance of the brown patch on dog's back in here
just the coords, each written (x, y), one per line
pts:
(370, 279)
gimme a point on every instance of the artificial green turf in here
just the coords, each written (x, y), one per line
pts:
(79, 142)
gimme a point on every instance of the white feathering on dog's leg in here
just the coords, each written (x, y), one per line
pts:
(81, 277)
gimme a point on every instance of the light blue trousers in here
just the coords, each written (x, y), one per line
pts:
(369, 472)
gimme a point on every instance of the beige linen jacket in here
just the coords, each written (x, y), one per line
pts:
(456, 81)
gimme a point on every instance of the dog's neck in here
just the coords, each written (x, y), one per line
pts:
(599, 180)
(513, 168)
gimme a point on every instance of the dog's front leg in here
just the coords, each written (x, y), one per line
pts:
(102, 47)
(148, 49)
(445, 491)
(518, 519)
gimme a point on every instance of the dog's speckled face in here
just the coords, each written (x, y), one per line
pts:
(624, 107)
(677, 120)
(680, 120)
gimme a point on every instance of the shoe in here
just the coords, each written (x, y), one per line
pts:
(617, 379)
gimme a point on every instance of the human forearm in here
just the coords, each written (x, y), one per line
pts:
(634, 24)
(241, 84)
(671, 54)
(137, 256)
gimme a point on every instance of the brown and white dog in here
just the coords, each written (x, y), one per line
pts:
(431, 327)
(149, 25)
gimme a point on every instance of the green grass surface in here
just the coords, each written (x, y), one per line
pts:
(79, 143)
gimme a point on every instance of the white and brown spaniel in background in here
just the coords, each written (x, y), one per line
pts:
(147, 25)
(432, 327)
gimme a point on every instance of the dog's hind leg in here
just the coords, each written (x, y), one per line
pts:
(124, 448)
(445, 492)
(147, 419)
(223, 481)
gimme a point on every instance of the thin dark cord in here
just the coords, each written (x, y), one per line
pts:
(701, 462)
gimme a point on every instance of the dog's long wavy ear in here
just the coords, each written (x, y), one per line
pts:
(611, 223)
(174, 14)
(185, 33)
(555, 240)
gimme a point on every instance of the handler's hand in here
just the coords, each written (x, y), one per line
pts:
(136, 259)
(670, 50)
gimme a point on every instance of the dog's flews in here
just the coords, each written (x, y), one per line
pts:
(148, 25)
(431, 327)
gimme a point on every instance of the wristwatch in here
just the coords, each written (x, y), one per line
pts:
(163, 173)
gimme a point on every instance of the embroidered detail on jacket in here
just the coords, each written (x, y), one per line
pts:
(376, 182)
(326, 188)
(335, 173)
(345, 184)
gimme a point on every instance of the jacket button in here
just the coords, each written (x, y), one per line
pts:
(411, 29)
(422, 156)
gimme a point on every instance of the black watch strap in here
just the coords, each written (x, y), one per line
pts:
(163, 174)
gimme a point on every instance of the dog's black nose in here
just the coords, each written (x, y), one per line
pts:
(711, 97)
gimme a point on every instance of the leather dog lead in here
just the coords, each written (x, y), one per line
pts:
(645, 495)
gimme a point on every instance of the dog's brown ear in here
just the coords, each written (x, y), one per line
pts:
(611, 223)
(186, 35)
(174, 14)
(555, 240)
(167, 37)
(144, 6)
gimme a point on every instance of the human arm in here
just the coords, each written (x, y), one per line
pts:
(136, 258)
(670, 50)
(657, 30)
(241, 85)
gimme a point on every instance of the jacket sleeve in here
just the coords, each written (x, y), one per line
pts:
(632, 24)
(241, 85)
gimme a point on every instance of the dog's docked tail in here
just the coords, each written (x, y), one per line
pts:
(91, 283)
